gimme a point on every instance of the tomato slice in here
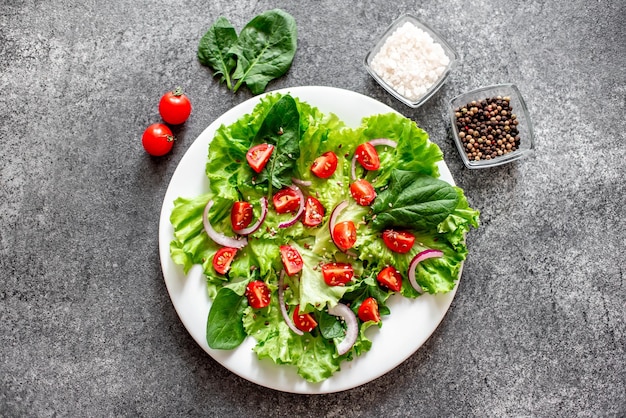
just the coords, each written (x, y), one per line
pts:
(291, 259)
(241, 215)
(390, 278)
(222, 259)
(398, 241)
(368, 157)
(259, 155)
(258, 294)
(325, 165)
(344, 235)
(286, 200)
(313, 212)
(304, 322)
(337, 274)
(362, 192)
(368, 311)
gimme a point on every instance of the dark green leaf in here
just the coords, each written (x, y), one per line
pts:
(330, 326)
(224, 329)
(265, 49)
(281, 128)
(414, 200)
(214, 48)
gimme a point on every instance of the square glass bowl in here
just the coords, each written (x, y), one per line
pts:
(436, 85)
(523, 126)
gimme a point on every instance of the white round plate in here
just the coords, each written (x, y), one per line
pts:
(408, 326)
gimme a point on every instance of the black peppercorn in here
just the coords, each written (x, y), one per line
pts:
(488, 128)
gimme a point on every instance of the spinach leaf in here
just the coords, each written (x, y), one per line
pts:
(265, 49)
(224, 328)
(330, 326)
(281, 128)
(214, 48)
(415, 200)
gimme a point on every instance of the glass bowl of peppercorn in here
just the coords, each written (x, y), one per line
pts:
(491, 126)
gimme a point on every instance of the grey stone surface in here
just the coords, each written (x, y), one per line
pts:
(537, 327)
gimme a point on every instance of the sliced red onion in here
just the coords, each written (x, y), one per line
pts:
(384, 141)
(333, 217)
(353, 167)
(220, 239)
(352, 325)
(283, 308)
(301, 183)
(293, 220)
(254, 227)
(426, 254)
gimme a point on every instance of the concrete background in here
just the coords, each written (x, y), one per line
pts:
(537, 327)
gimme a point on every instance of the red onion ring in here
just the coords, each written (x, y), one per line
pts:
(220, 239)
(352, 325)
(384, 141)
(333, 217)
(293, 220)
(353, 167)
(301, 183)
(254, 227)
(426, 254)
(283, 308)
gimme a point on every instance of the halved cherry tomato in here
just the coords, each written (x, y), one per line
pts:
(304, 322)
(337, 274)
(313, 212)
(363, 192)
(175, 107)
(157, 139)
(291, 259)
(286, 200)
(344, 235)
(368, 157)
(241, 215)
(368, 311)
(259, 155)
(325, 165)
(222, 259)
(258, 294)
(398, 241)
(390, 278)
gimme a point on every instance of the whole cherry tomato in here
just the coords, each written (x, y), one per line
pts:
(157, 139)
(175, 107)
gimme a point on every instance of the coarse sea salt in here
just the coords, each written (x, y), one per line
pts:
(410, 61)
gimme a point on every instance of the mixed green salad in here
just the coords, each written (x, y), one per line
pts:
(309, 226)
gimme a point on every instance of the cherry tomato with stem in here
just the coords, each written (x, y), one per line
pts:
(157, 139)
(175, 107)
